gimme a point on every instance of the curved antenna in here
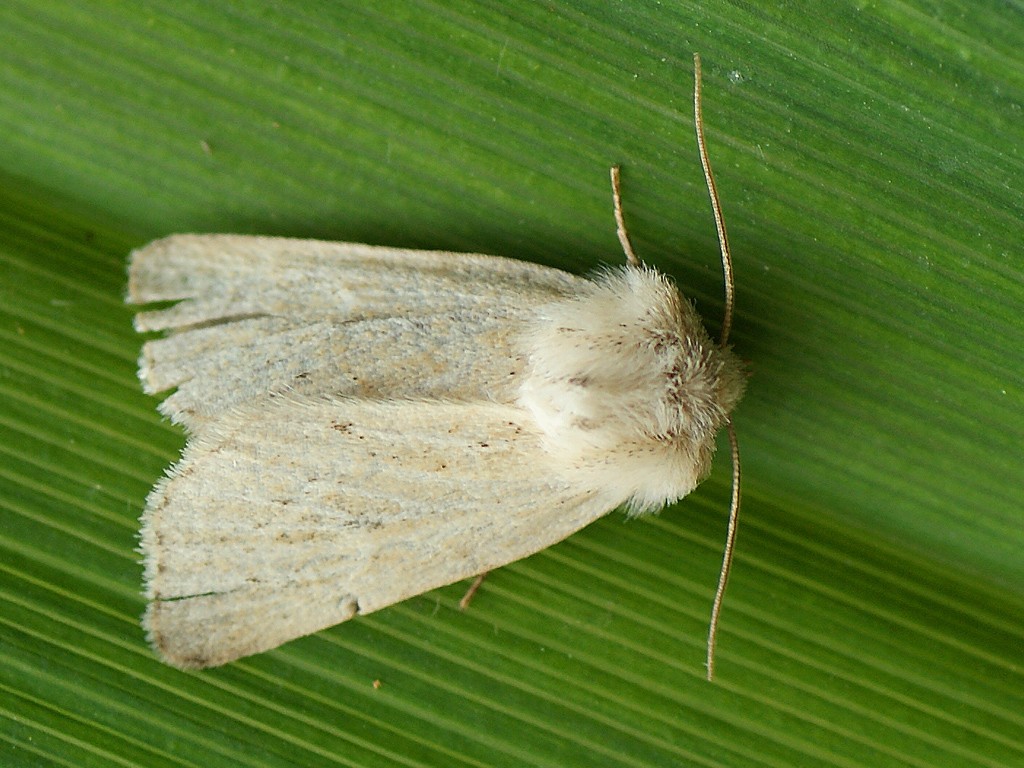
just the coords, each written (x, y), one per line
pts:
(620, 222)
(730, 544)
(723, 241)
(716, 207)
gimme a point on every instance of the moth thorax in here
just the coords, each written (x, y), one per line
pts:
(628, 389)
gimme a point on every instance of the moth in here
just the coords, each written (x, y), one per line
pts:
(368, 423)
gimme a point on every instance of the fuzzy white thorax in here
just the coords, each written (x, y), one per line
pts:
(628, 388)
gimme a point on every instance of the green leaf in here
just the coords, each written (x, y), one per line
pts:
(869, 162)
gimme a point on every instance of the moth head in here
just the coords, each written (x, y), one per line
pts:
(627, 388)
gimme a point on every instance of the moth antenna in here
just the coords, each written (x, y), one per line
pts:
(716, 207)
(620, 222)
(723, 241)
(730, 543)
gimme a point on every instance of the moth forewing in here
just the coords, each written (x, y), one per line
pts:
(263, 315)
(296, 513)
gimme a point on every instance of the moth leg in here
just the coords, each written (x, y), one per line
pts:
(468, 597)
